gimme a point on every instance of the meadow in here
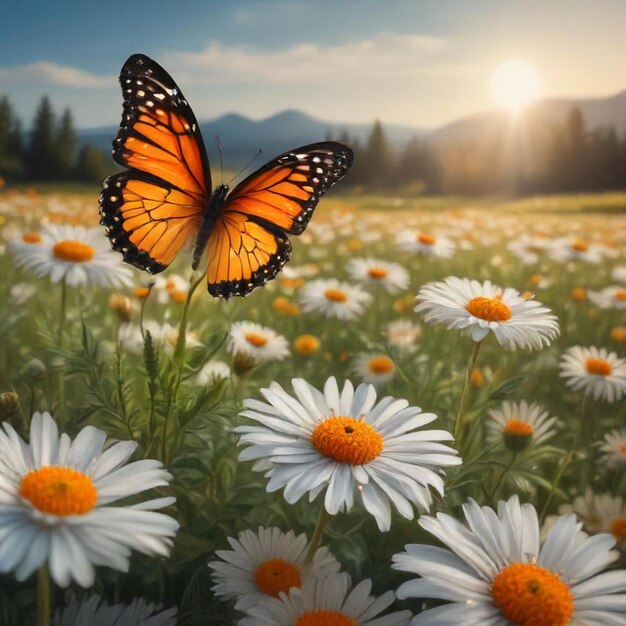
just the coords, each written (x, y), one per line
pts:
(83, 355)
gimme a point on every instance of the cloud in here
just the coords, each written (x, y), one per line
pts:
(55, 74)
(384, 55)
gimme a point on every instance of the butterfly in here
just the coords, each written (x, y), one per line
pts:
(163, 201)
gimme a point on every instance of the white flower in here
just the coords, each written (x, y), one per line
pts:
(93, 611)
(392, 276)
(599, 513)
(259, 342)
(496, 572)
(403, 334)
(478, 308)
(344, 443)
(21, 293)
(55, 503)
(425, 244)
(576, 250)
(212, 372)
(595, 371)
(374, 368)
(261, 565)
(609, 298)
(619, 273)
(328, 601)
(614, 448)
(334, 299)
(519, 424)
(74, 254)
(164, 336)
(528, 248)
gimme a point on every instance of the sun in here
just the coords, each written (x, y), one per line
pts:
(515, 83)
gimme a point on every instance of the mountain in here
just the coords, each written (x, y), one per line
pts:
(241, 136)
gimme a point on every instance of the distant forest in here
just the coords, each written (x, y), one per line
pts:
(538, 156)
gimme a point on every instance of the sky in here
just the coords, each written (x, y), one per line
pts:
(419, 63)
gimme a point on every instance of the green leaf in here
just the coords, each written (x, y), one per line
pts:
(506, 389)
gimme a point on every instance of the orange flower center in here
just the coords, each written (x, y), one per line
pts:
(276, 575)
(31, 238)
(73, 251)
(306, 344)
(427, 240)
(377, 273)
(618, 528)
(580, 246)
(477, 378)
(141, 292)
(529, 595)
(578, 293)
(618, 333)
(347, 440)
(598, 367)
(490, 309)
(518, 427)
(59, 491)
(380, 365)
(335, 295)
(255, 339)
(325, 618)
(620, 294)
(622, 448)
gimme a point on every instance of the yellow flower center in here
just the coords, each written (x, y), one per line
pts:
(580, 246)
(291, 283)
(73, 251)
(380, 365)
(518, 427)
(427, 240)
(579, 294)
(529, 595)
(377, 273)
(347, 440)
(276, 575)
(490, 309)
(141, 292)
(325, 618)
(306, 344)
(620, 294)
(285, 306)
(255, 339)
(618, 333)
(618, 527)
(59, 491)
(477, 378)
(31, 237)
(335, 295)
(598, 367)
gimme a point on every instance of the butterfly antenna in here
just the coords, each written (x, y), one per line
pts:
(254, 158)
(218, 143)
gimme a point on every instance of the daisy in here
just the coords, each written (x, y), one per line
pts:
(528, 248)
(614, 448)
(477, 308)
(392, 276)
(258, 342)
(375, 368)
(328, 601)
(599, 513)
(343, 442)
(75, 255)
(496, 572)
(518, 424)
(21, 293)
(576, 250)
(595, 371)
(266, 563)
(55, 504)
(619, 273)
(609, 298)
(212, 373)
(93, 611)
(334, 299)
(403, 334)
(425, 244)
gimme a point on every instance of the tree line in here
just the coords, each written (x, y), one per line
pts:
(50, 152)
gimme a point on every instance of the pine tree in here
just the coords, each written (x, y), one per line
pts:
(91, 165)
(41, 155)
(376, 167)
(65, 146)
(10, 141)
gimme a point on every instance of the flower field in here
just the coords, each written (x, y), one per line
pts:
(426, 406)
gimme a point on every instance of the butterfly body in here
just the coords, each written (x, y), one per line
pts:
(164, 202)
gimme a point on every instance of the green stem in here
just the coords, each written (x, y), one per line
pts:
(318, 533)
(62, 313)
(505, 471)
(43, 596)
(566, 461)
(459, 420)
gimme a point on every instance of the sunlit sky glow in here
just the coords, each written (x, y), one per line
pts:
(421, 64)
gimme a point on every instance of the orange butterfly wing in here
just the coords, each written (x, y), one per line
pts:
(248, 244)
(152, 211)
